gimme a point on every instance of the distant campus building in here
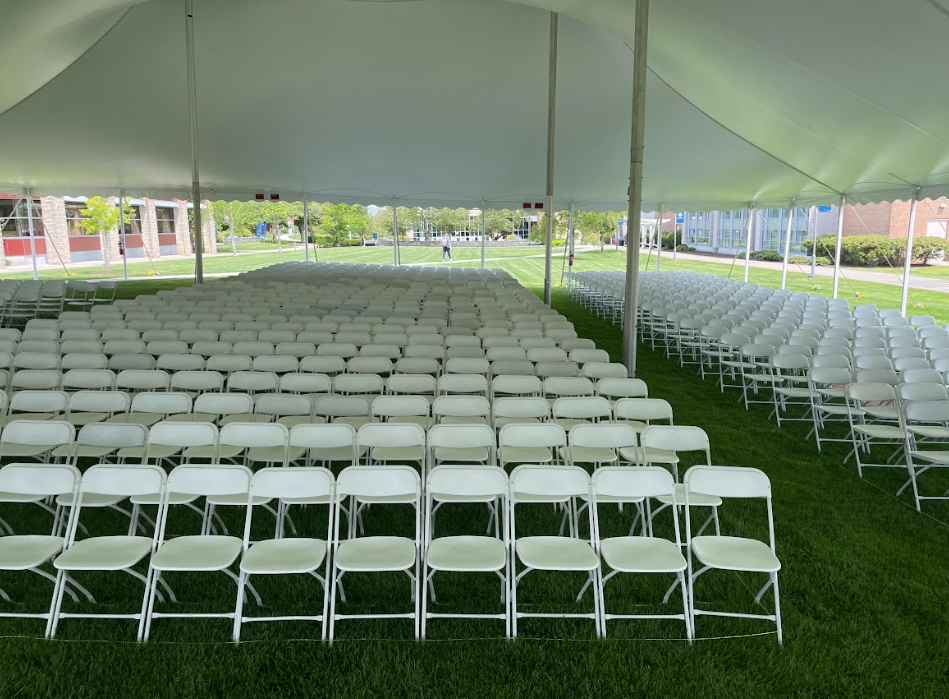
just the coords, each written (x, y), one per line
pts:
(725, 231)
(157, 228)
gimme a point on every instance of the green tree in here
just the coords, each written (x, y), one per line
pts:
(597, 226)
(447, 220)
(500, 223)
(538, 233)
(339, 220)
(101, 216)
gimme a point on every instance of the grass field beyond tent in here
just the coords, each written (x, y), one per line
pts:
(863, 590)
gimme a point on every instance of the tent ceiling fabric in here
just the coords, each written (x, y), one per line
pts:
(442, 102)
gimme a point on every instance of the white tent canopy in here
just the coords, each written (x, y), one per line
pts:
(443, 102)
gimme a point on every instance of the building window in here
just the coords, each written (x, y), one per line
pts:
(165, 218)
(14, 219)
(73, 217)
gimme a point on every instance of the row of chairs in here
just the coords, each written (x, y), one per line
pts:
(420, 555)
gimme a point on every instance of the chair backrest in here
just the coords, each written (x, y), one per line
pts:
(605, 434)
(463, 437)
(115, 435)
(254, 434)
(99, 402)
(290, 485)
(390, 435)
(325, 436)
(396, 483)
(208, 480)
(530, 483)
(122, 480)
(39, 479)
(727, 482)
(342, 406)
(39, 402)
(50, 433)
(278, 404)
(224, 403)
(582, 408)
(400, 406)
(870, 392)
(676, 438)
(161, 402)
(461, 406)
(182, 434)
(908, 392)
(531, 435)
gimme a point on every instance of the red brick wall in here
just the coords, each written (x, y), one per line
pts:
(868, 219)
(892, 219)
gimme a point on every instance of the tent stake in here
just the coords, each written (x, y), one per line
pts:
(637, 145)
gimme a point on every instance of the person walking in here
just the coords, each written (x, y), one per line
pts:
(446, 247)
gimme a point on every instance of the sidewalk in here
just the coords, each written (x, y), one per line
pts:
(851, 273)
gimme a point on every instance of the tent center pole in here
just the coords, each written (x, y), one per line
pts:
(840, 241)
(484, 232)
(122, 230)
(659, 239)
(551, 119)
(29, 223)
(633, 229)
(907, 263)
(306, 229)
(193, 114)
(395, 233)
(751, 219)
(787, 248)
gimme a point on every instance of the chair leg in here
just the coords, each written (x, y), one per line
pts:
(239, 609)
(777, 610)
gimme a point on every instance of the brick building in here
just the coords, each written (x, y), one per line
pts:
(157, 228)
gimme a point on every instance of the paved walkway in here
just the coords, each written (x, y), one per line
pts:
(851, 273)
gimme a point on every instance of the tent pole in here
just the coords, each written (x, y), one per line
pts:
(570, 242)
(551, 118)
(193, 113)
(675, 234)
(637, 145)
(125, 246)
(484, 232)
(840, 240)
(814, 249)
(909, 251)
(751, 221)
(29, 223)
(787, 248)
(306, 229)
(659, 240)
(395, 234)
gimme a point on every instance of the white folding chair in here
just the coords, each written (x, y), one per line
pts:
(465, 553)
(287, 556)
(739, 554)
(366, 554)
(551, 484)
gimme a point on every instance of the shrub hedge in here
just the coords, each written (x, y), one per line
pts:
(879, 251)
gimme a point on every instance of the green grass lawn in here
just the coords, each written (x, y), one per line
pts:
(863, 589)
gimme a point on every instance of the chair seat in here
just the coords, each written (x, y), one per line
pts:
(792, 392)
(695, 499)
(156, 451)
(880, 412)
(462, 420)
(642, 554)
(735, 553)
(276, 556)
(526, 455)
(274, 454)
(880, 431)
(649, 455)
(420, 420)
(334, 454)
(935, 457)
(461, 454)
(24, 551)
(556, 553)
(82, 451)
(147, 419)
(833, 409)
(192, 417)
(224, 451)
(383, 553)
(196, 552)
(466, 553)
(104, 553)
(81, 419)
(28, 416)
(588, 455)
(155, 499)
(500, 422)
(90, 500)
(236, 499)
(930, 431)
(24, 450)
(20, 497)
(397, 453)
(291, 421)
